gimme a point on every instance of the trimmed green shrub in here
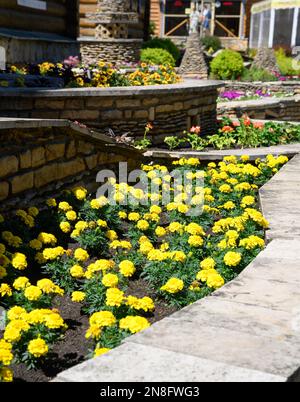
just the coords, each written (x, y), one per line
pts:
(211, 42)
(257, 74)
(157, 56)
(163, 43)
(285, 63)
(228, 65)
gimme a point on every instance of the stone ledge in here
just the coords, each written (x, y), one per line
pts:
(189, 86)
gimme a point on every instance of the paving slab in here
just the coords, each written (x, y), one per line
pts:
(140, 363)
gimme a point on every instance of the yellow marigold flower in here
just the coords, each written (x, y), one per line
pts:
(174, 285)
(155, 209)
(195, 241)
(175, 227)
(65, 227)
(101, 223)
(32, 293)
(54, 321)
(19, 261)
(247, 201)
(64, 206)
(114, 297)
(51, 202)
(78, 296)
(245, 158)
(12, 335)
(35, 244)
(81, 255)
(146, 247)
(122, 215)
(134, 216)
(127, 268)
(160, 231)
(47, 286)
(134, 324)
(252, 242)
(47, 238)
(225, 188)
(94, 332)
(16, 313)
(177, 256)
(146, 303)
(142, 225)
(110, 280)
(2, 248)
(100, 351)
(33, 211)
(50, 254)
(71, 215)
(232, 259)
(6, 357)
(111, 235)
(229, 205)
(6, 375)
(77, 271)
(80, 193)
(5, 290)
(103, 319)
(195, 229)
(38, 347)
(21, 283)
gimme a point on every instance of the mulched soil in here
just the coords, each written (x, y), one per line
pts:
(74, 348)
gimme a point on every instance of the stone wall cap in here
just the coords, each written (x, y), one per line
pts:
(188, 86)
(12, 122)
(91, 39)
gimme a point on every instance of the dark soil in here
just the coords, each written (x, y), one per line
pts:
(74, 347)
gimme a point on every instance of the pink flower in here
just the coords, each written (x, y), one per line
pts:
(196, 130)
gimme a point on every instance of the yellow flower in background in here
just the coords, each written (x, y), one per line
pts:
(142, 225)
(6, 375)
(174, 285)
(38, 347)
(21, 283)
(35, 244)
(80, 193)
(15, 313)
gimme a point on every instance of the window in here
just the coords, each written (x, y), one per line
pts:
(228, 17)
(38, 4)
(175, 17)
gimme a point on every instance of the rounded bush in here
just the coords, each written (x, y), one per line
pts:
(157, 56)
(163, 43)
(211, 42)
(228, 65)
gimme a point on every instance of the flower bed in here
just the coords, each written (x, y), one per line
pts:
(240, 133)
(72, 74)
(82, 257)
(233, 95)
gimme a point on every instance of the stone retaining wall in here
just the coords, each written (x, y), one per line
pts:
(287, 87)
(285, 109)
(39, 159)
(122, 50)
(171, 108)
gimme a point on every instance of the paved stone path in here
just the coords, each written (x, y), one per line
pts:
(247, 331)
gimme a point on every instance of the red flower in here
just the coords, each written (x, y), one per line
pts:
(258, 124)
(227, 129)
(236, 124)
(149, 126)
(247, 121)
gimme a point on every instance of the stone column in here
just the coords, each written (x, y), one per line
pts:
(193, 63)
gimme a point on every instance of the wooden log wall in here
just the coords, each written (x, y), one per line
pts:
(60, 17)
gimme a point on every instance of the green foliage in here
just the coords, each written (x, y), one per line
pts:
(157, 57)
(285, 63)
(228, 65)
(211, 42)
(173, 142)
(163, 43)
(257, 74)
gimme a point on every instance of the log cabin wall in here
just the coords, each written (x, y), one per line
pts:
(59, 17)
(38, 30)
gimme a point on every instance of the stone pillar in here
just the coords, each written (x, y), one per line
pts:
(266, 59)
(193, 63)
(111, 19)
